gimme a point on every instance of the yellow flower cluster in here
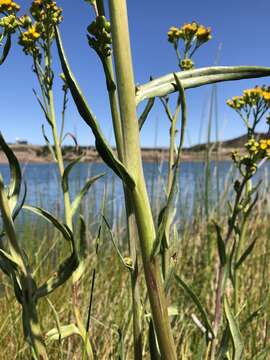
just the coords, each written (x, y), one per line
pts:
(259, 148)
(246, 160)
(236, 102)
(9, 6)
(43, 10)
(173, 34)
(9, 23)
(189, 32)
(251, 97)
(28, 38)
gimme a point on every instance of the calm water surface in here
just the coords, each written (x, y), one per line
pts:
(43, 186)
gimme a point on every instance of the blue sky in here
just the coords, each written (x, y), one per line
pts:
(242, 27)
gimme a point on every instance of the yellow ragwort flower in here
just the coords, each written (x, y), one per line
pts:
(188, 31)
(32, 33)
(173, 34)
(236, 102)
(9, 6)
(252, 96)
(266, 97)
(203, 34)
(253, 146)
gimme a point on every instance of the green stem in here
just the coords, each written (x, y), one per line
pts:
(239, 248)
(221, 273)
(67, 201)
(171, 155)
(133, 161)
(131, 223)
(31, 324)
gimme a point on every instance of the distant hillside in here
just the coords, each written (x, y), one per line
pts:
(27, 153)
(235, 143)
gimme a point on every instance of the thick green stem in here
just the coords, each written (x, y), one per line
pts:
(134, 277)
(132, 159)
(131, 223)
(24, 278)
(31, 325)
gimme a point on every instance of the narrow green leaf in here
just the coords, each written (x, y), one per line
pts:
(114, 241)
(146, 111)
(56, 318)
(6, 49)
(76, 202)
(120, 352)
(254, 315)
(67, 171)
(224, 344)
(9, 259)
(20, 206)
(65, 331)
(64, 272)
(167, 215)
(5, 266)
(51, 219)
(153, 344)
(15, 173)
(234, 331)
(221, 246)
(43, 108)
(83, 243)
(102, 145)
(245, 254)
(9, 228)
(199, 306)
(47, 141)
(73, 138)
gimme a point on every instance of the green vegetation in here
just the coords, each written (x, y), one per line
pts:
(198, 285)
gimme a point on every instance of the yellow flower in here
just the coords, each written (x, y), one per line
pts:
(236, 102)
(252, 96)
(32, 33)
(28, 38)
(266, 96)
(253, 146)
(9, 23)
(173, 34)
(263, 144)
(189, 30)
(8, 5)
(203, 34)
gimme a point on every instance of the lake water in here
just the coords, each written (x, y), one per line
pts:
(43, 186)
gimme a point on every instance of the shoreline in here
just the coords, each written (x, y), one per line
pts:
(34, 154)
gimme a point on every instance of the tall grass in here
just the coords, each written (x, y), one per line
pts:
(185, 299)
(105, 323)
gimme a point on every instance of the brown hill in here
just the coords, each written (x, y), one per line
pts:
(36, 153)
